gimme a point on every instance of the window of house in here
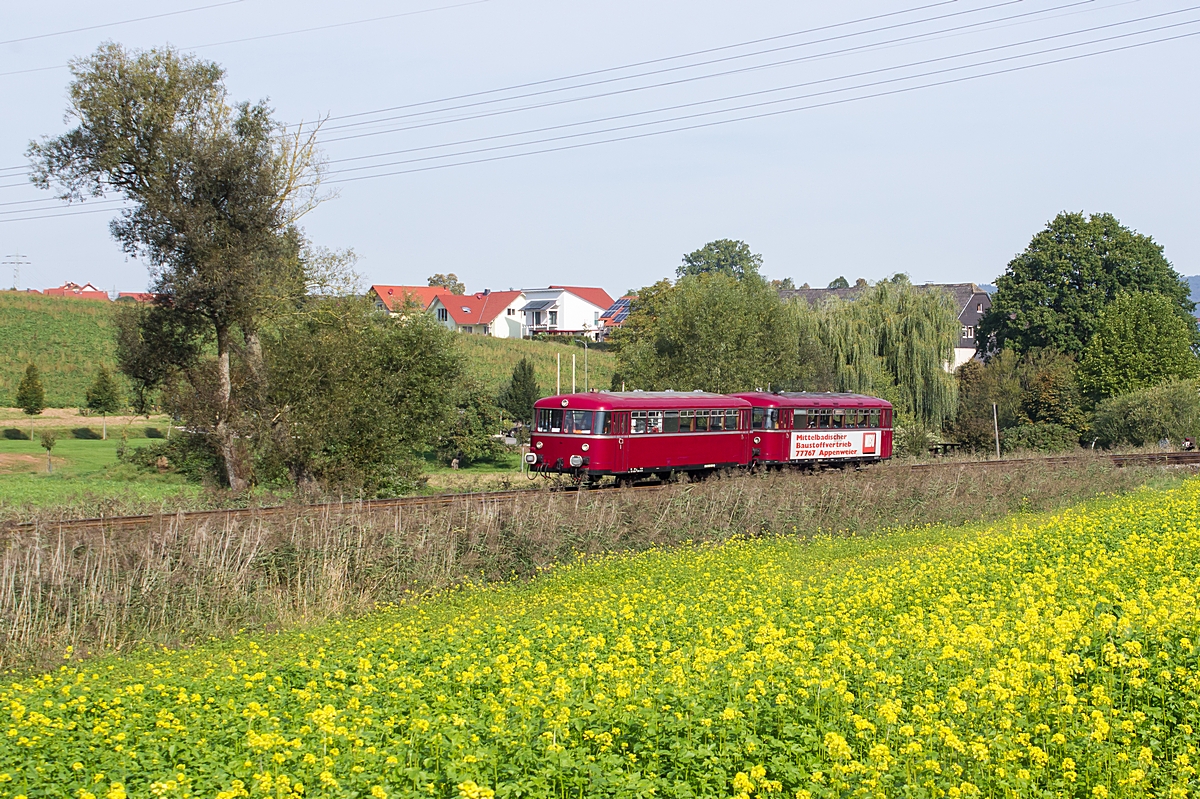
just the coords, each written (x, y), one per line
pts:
(484, 330)
(596, 319)
(969, 332)
(554, 318)
(537, 317)
(512, 311)
(468, 329)
(443, 315)
(379, 304)
(979, 308)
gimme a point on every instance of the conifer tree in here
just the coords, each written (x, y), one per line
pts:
(104, 397)
(522, 391)
(31, 397)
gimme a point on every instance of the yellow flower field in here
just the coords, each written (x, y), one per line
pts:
(1047, 656)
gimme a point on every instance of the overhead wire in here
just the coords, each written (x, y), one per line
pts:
(797, 97)
(762, 115)
(743, 95)
(739, 56)
(680, 81)
(121, 22)
(281, 33)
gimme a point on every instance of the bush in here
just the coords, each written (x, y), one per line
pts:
(189, 454)
(1170, 410)
(1039, 437)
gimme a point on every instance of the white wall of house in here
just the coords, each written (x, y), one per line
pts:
(508, 324)
(571, 312)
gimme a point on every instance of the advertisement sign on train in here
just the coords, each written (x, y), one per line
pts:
(825, 444)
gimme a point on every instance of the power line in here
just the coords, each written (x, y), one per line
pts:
(762, 115)
(722, 73)
(635, 64)
(793, 98)
(122, 22)
(744, 95)
(282, 33)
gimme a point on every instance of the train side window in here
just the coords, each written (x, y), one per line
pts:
(716, 420)
(772, 422)
(823, 418)
(839, 418)
(671, 422)
(654, 422)
(603, 424)
(639, 422)
(800, 419)
(686, 421)
(758, 418)
(701, 421)
(813, 416)
(731, 420)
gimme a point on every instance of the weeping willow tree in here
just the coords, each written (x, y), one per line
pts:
(894, 341)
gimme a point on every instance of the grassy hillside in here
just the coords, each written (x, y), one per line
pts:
(491, 361)
(68, 338)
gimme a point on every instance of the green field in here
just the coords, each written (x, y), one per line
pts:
(69, 338)
(491, 361)
(66, 337)
(87, 477)
(1039, 656)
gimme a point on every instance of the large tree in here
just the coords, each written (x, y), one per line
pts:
(521, 392)
(1052, 294)
(711, 331)
(213, 193)
(725, 256)
(1140, 342)
(449, 282)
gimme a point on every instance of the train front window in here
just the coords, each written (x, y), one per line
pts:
(577, 422)
(549, 420)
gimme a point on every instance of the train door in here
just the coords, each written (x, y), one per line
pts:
(620, 429)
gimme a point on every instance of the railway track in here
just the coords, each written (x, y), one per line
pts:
(511, 495)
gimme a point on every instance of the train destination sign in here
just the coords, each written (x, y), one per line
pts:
(834, 443)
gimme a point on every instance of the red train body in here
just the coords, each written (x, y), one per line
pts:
(636, 433)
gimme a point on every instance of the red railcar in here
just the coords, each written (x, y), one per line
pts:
(632, 433)
(805, 427)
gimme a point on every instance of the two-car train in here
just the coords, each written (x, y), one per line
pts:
(633, 434)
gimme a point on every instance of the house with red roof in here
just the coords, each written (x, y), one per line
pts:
(485, 313)
(87, 291)
(565, 310)
(137, 296)
(393, 298)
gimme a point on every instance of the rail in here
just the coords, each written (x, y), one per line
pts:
(499, 497)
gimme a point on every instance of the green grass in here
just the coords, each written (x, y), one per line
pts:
(69, 338)
(86, 472)
(491, 360)
(66, 337)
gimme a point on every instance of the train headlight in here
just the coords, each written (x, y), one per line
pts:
(757, 440)
(576, 461)
(530, 458)
(538, 445)
(586, 447)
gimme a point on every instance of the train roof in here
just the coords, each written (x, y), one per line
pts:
(810, 399)
(624, 400)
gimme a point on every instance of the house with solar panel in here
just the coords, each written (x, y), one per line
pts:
(565, 311)
(615, 316)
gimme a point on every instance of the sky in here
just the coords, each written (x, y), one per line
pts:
(860, 168)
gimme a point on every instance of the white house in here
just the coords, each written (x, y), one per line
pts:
(487, 313)
(565, 310)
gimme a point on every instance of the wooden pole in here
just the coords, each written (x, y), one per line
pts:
(558, 374)
(572, 373)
